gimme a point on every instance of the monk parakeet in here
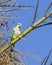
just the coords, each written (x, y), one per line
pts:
(15, 32)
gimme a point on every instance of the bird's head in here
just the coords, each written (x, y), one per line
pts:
(19, 25)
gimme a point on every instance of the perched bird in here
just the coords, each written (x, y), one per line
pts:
(15, 32)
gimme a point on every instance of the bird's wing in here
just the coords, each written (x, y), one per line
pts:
(12, 33)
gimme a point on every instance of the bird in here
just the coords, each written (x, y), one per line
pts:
(15, 32)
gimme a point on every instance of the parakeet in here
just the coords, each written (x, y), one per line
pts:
(15, 32)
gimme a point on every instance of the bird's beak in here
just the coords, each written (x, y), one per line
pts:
(19, 26)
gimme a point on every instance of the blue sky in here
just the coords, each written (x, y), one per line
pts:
(39, 41)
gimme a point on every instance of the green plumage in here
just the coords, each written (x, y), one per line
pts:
(13, 36)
